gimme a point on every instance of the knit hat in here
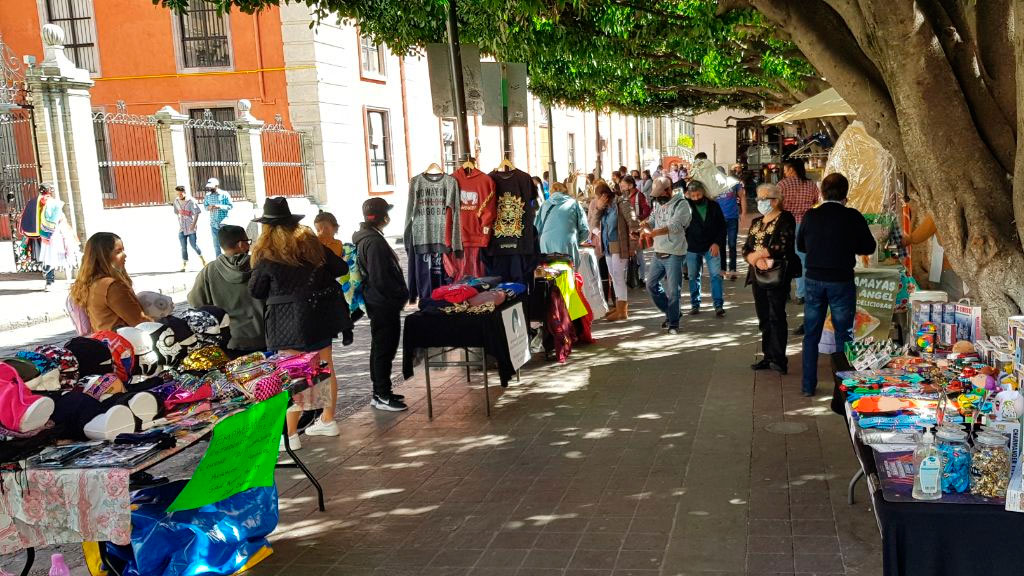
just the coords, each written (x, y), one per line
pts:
(49, 375)
(93, 356)
(99, 387)
(205, 326)
(156, 305)
(173, 341)
(121, 352)
(66, 363)
(26, 370)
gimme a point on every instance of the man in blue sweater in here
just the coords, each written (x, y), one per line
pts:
(832, 235)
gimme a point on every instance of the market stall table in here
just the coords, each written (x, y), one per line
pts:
(486, 331)
(933, 538)
(46, 506)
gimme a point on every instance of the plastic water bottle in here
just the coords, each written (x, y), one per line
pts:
(58, 567)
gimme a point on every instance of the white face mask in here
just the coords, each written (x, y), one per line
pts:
(764, 206)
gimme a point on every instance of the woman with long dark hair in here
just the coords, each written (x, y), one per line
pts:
(295, 274)
(103, 288)
(770, 250)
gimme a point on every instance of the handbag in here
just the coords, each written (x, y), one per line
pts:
(772, 277)
(328, 302)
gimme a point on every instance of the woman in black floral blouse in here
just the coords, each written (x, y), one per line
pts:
(771, 250)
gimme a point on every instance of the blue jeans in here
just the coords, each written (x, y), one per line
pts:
(215, 230)
(694, 263)
(732, 231)
(801, 282)
(841, 299)
(185, 240)
(664, 282)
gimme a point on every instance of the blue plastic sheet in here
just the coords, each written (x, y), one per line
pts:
(217, 539)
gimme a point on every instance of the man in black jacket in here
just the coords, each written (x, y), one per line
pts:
(385, 293)
(832, 235)
(705, 237)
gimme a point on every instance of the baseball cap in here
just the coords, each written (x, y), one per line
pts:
(212, 183)
(375, 208)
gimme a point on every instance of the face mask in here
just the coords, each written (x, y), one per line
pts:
(764, 206)
(662, 199)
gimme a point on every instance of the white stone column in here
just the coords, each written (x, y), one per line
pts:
(173, 149)
(64, 130)
(250, 153)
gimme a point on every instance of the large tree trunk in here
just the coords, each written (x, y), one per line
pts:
(918, 94)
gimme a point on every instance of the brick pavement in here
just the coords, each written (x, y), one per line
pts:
(646, 454)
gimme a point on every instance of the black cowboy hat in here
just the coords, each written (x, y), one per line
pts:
(276, 211)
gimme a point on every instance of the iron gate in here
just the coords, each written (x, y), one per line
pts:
(19, 170)
(129, 159)
(284, 160)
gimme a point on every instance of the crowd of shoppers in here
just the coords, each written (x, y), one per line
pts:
(282, 292)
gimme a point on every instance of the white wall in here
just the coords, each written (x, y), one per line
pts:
(718, 143)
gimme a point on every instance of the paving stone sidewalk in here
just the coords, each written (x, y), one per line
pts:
(645, 454)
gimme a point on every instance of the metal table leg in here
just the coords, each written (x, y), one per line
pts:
(850, 499)
(30, 559)
(465, 352)
(430, 400)
(487, 394)
(296, 463)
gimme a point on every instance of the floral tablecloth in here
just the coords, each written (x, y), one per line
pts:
(42, 507)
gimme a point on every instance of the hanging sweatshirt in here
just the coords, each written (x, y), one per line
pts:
(513, 228)
(431, 196)
(477, 198)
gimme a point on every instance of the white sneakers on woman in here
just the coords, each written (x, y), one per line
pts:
(321, 428)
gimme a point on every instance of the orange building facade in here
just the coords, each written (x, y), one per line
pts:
(149, 57)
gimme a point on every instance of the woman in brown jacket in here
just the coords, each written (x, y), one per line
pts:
(618, 235)
(103, 288)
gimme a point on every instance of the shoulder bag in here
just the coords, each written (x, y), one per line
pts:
(772, 277)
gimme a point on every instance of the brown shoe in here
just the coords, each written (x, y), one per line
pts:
(625, 311)
(611, 311)
(619, 313)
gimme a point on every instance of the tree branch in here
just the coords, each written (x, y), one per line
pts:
(960, 51)
(995, 47)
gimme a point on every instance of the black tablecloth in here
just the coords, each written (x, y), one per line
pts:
(434, 329)
(936, 539)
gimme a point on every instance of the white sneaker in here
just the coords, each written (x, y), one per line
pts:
(293, 441)
(321, 428)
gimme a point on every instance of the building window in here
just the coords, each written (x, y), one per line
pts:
(75, 17)
(378, 152)
(204, 37)
(570, 145)
(372, 58)
(448, 144)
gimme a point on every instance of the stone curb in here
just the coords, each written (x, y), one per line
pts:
(43, 317)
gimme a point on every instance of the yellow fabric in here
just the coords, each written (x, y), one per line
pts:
(255, 559)
(566, 284)
(91, 551)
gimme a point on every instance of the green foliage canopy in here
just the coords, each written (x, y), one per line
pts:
(642, 57)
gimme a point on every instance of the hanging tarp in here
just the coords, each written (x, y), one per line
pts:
(875, 185)
(826, 104)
